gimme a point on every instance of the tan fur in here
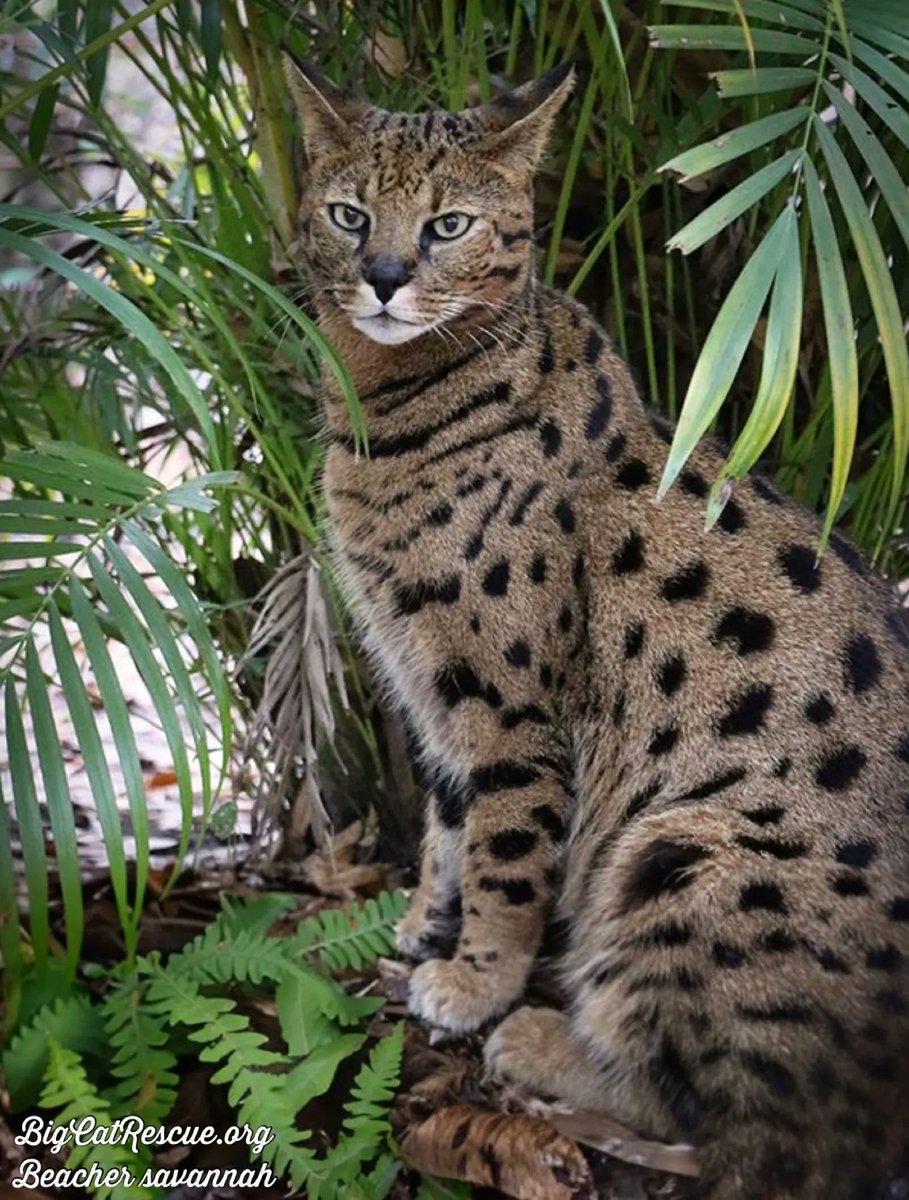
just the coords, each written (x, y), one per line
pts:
(703, 736)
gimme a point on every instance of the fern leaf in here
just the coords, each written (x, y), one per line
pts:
(68, 1088)
(142, 1062)
(73, 1022)
(354, 936)
(268, 1103)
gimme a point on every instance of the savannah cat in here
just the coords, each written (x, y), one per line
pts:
(694, 744)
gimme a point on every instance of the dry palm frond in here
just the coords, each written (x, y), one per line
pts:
(295, 712)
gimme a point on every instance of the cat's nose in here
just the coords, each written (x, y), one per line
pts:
(386, 273)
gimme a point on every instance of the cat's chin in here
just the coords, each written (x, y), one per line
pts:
(388, 331)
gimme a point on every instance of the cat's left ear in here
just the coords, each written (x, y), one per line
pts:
(521, 121)
(328, 114)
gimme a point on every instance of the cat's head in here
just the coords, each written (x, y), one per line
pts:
(410, 223)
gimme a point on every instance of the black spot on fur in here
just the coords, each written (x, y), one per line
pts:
(848, 554)
(545, 362)
(512, 844)
(766, 490)
(616, 447)
(551, 438)
(778, 1078)
(549, 820)
(901, 750)
(761, 896)
(458, 681)
(899, 909)
(515, 891)
(798, 1014)
(598, 417)
(746, 630)
(527, 497)
(566, 618)
(537, 569)
(674, 1083)
(890, 1001)
(495, 581)
(668, 933)
(717, 783)
(884, 958)
(440, 515)
(732, 518)
(564, 514)
(819, 709)
(778, 941)
(687, 583)
(772, 846)
(577, 571)
(593, 346)
(662, 740)
(629, 557)
(861, 664)
(619, 707)
(664, 866)
(518, 654)
(694, 483)
(411, 597)
(725, 955)
(850, 885)
(546, 676)
(768, 814)
(856, 854)
(634, 639)
(525, 714)
(747, 711)
(840, 767)
(831, 962)
(633, 474)
(660, 426)
(671, 674)
(501, 776)
(798, 565)
(475, 623)
(782, 768)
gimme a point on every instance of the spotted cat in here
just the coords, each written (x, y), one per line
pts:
(696, 744)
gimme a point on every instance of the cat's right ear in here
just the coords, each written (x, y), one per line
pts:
(327, 113)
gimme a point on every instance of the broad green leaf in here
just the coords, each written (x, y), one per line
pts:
(15, 551)
(133, 320)
(39, 126)
(118, 715)
(840, 334)
(886, 69)
(10, 939)
(95, 761)
(98, 17)
(712, 220)
(737, 142)
(738, 82)
(136, 639)
(891, 113)
(210, 35)
(31, 833)
(880, 164)
(724, 350)
(782, 15)
(882, 294)
(779, 367)
(59, 805)
(719, 37)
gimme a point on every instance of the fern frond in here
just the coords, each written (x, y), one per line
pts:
(142, 1062)
(73, 1023)
(348, 938)
(67, 1087)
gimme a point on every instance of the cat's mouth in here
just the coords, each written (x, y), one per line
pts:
(388, 329)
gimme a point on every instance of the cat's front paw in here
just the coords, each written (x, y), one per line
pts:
(461, 995)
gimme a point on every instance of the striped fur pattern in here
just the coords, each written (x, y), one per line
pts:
(694, 745)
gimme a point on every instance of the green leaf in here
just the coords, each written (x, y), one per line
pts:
(31, 834)
(712, 220)
(779, 368)
(891, 113)
(718, 37)
(10, 937)
(210, 36)
(738, 82)
(315, 1075)
(133, 320)
(98, 16)
(39, 126)
(883, 298)
(737, 142)
(724, 350)
(762, 10)
(59, 805)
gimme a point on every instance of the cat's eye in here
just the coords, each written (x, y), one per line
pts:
(450, 226)
(348, 218)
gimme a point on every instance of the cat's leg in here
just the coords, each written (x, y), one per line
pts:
(514, 825)
(430, 926)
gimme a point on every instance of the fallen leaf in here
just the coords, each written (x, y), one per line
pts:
(161, 779)
(525, 1157)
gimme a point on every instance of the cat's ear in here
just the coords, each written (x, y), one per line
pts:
(327, 113)
(520, 121)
